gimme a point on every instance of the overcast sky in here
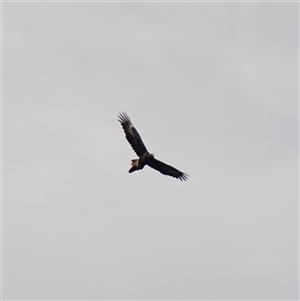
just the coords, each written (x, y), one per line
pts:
(213, 90)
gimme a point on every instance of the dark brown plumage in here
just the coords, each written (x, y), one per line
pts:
(145, 158)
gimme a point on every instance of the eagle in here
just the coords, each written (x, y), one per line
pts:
(145, 158)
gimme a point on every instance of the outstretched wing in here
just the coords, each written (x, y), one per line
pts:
(167, 169)
(132, 134)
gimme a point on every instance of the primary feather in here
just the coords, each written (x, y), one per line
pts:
(167, 169)
(145, 158)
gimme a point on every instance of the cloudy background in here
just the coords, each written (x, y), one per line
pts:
(212, 89)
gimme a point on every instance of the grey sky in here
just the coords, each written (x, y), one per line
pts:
(212, 89)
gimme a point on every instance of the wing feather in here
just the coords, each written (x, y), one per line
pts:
(132, 134)
(167, 169)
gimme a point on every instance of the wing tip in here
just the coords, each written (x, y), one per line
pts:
(123, 118)
(183, 177)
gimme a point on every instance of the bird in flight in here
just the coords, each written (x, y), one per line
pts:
(145, 158)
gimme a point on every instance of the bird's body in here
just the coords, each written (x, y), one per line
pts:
(145, 158)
